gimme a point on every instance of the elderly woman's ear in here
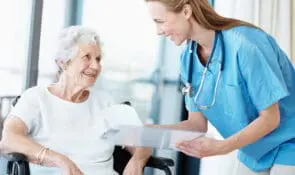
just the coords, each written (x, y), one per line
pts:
(62, 66)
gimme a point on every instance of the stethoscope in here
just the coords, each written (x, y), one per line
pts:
(188, 89)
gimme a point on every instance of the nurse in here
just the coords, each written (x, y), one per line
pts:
(239, 79)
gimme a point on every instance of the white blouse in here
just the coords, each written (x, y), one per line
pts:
(72, 129)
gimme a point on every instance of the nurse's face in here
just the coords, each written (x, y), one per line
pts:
(170, 24)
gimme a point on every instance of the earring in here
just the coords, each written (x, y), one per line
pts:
(64, 68)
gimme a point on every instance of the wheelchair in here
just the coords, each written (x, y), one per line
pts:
(17, 164)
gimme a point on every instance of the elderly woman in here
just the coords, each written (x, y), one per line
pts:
(58, 126)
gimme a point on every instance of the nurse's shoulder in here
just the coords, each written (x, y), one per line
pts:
(252, 45)
(245, 35)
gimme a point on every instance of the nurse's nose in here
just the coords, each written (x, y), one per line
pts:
(160, 31)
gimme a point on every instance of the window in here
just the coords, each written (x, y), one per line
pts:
(129, 44)
(53, 20)
(15, 19)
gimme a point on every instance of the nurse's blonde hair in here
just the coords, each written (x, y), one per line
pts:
(204, 14)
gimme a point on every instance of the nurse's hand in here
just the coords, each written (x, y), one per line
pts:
(134, 167)
(202, 147)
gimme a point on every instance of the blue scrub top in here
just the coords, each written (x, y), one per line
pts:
(256, 74)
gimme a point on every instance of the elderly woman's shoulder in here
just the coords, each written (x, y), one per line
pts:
(33, 91)
(30, 95)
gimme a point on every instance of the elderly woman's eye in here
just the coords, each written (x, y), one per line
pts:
(98, 58)
(87, 56)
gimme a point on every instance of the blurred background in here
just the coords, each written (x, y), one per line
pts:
(138, 65)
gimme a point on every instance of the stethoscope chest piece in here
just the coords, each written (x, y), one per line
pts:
(187, 90)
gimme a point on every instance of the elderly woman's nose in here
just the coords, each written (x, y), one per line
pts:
(94, 64)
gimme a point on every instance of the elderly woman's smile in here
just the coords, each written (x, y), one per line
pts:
(84, 67)
(90, 74)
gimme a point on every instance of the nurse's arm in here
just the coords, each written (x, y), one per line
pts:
(195, 122)
(267, 121)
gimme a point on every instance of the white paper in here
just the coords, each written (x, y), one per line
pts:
(148, 137)
(120, 115)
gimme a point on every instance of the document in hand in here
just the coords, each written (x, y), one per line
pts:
(116, 115)
(140, 136)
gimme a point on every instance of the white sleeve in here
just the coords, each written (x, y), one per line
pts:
(107, 99)
(103, 99)
(27, 109)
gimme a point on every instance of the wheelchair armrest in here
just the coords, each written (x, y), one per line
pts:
(15, 157)
(122, 156)
(17, 164)
(159, 162)
(156, 162)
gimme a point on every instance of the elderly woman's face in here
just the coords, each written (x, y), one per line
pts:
(85, 67)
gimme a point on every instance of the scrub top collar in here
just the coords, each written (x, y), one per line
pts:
(215, 57)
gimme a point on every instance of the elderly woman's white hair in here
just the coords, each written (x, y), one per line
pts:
(68, 40)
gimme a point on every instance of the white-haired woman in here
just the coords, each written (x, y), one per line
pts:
(57, 126)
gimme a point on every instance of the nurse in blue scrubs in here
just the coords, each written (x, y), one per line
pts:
(238, 78)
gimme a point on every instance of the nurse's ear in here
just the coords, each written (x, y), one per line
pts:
(187, 11)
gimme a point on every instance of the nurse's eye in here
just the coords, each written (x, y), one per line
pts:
(158, 21)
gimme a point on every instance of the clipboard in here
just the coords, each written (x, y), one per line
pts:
(139, 136)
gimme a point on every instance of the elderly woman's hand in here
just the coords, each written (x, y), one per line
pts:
(68, 167)
(202, 147)
(134, 167)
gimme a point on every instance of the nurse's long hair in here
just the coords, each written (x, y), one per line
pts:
(204, 14)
